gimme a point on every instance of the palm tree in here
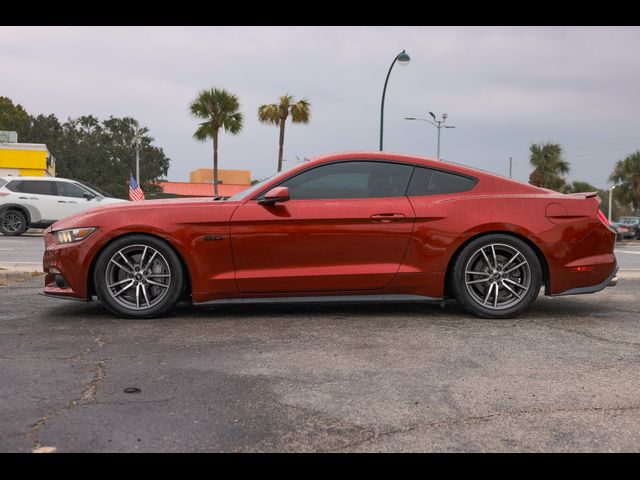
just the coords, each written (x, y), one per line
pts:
(578, 186)
(277, 114)
(626, 176)
(219, 109)
(549, 166)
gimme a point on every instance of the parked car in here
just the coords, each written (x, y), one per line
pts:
(632, 224)
(37, 202)
(354, 226)
(621, 231)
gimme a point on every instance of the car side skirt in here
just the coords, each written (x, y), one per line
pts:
(323, 298)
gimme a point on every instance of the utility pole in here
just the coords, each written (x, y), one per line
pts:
(510, 166)
(137, 140)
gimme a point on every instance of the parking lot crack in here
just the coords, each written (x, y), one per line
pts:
(447, 422)
(88, 395)
(589, 335)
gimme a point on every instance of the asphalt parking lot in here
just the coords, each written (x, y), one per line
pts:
(325, 377)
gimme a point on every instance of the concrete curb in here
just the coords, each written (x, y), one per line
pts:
(7, 277)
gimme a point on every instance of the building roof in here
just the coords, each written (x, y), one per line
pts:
(201, 189)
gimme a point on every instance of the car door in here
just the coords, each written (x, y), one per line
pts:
(39, 195)
(346, 227)
(72, 199)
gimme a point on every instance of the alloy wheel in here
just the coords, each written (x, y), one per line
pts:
(497, 276)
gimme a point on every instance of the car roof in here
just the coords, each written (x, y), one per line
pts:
(10, 178)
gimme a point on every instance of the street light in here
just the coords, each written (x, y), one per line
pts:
(403, 59)
(610, 195)
(436, 123)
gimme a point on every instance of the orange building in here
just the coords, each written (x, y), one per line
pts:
(188, 189)
(230, 177)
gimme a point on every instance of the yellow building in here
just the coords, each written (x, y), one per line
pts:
(26, 159)
(231, 177)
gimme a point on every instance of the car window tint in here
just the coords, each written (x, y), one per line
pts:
(15, 185)
(426, 181)
(66, 189)
(356, 179)
(38, 187)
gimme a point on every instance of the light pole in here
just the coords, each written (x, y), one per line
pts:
(137, 140)
(610, 195)
(436, 123)
(403, 59)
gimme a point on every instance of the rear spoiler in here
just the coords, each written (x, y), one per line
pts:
(584, 194)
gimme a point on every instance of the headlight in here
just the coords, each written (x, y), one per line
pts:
(73, 235)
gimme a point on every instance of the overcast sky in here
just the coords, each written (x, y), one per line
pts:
(503, 88)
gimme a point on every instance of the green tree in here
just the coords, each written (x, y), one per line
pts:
(219, 109)
(579, 187)
(549, 166)
(14, 118)
(626, 176)
(277, 114)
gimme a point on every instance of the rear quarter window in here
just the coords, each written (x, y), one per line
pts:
(2, 183)
(426, 181)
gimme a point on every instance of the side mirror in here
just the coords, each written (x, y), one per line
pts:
(277, 194)
(88, 196)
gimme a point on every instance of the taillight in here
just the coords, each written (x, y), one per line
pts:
(3, 194)
(602, 218)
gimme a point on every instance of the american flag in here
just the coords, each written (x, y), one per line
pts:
(135, 192)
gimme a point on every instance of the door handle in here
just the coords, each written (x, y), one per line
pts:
(62, 201)
(387, 217)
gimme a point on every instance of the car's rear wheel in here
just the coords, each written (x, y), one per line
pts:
(13, 223)
(139, 276)
(497, 276)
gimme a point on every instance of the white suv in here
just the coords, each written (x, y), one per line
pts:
(37, 202)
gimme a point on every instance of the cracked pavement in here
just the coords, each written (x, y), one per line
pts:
(324, 377)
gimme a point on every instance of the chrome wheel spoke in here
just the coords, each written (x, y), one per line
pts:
(515, 268)
(124, 280)
(157, 284)
(495, 258)
(126, 260)
(478, 281)
(509, 262)
(485, 257)
(138, 296)
(124, 289)
(121, 267)
(478, 273)
(158, 275)
(515, 283)
(511, 290)
(150, 260)
(146, 298)
(495, 301)
(488, 293)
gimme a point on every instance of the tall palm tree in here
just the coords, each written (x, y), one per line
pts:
(549, 166)
(626, 176)
(219, 109)
(277, 114)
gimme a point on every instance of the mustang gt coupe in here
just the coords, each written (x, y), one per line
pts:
(351, 226)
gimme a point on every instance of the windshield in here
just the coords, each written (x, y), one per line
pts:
(93, 189)
(251, 190)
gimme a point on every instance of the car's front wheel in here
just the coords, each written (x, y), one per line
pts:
(13, 222)
(497, 276)
(138, 276)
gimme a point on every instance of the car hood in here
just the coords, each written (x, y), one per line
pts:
(96, 216)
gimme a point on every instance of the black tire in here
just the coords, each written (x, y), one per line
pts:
(13, 223)
(160, 268)
(502, 292)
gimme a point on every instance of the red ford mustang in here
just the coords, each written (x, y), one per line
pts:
(368, 226)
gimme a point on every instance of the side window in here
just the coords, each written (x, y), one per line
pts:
(38, 187)
(15, 185)
(432, 182)
(66, 189)
(2, 182)
(353, 179)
